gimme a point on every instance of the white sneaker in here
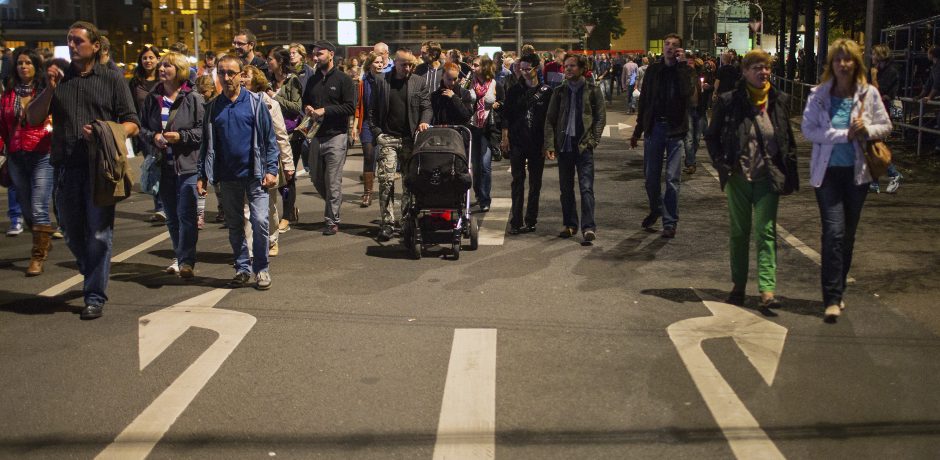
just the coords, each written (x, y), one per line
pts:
(302, 173)
(174, 268)
(16, 227)
(894, 183)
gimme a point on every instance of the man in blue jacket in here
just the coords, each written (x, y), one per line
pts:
(239, 153)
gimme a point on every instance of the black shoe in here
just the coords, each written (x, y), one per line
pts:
(735, 298)
(515, 230)
(331, 230)
(239, 280)
(649, 220)
(92, 312)
(771, 303)
(385, 234)
(527, 228)
(669, 232)
(485, 208)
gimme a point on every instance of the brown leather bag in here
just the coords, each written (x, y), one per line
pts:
(877, 154)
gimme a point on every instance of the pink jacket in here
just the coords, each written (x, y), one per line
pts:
(817, 128)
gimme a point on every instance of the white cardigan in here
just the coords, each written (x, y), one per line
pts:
(817, 128)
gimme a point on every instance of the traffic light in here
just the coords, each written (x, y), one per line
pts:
(729, 38)
(200, 25)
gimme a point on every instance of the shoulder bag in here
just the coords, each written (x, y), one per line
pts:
(877, 153)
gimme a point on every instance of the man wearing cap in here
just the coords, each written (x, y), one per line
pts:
(329, 98)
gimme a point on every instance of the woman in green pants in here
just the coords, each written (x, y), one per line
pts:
(751, 144)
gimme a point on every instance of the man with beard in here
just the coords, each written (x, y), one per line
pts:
(400, 106)
(524, 117)
(451, 102)
(329, 98)
(432, 68)
(244, 45)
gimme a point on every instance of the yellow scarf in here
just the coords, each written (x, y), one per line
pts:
(758, 95)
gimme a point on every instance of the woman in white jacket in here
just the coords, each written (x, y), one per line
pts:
(842, 113)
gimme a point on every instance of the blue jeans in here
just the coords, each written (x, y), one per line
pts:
(697, 125)
(605, 88)
(14, 211)
(178, 194)
(32, 177)
(482, 159)
(88, 230)
(568, 164)
(233, 205)
(656, 143)
(840, 207)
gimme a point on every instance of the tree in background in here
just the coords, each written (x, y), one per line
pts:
(604, 14)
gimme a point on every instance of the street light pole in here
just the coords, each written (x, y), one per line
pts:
(760, 31)
(518, 12)
(692, 37)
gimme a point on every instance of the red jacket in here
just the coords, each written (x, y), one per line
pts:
(19, 137)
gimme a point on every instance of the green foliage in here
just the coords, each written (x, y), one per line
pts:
(480, 29)
(604, 14)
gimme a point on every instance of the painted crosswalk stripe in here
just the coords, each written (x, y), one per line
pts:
(493, 226)
(466, 429)
(69, 283)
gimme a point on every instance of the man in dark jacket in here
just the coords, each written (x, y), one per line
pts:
(329, 97)
(523, 136)
(432, 69)
(451, 102)
(663, 115)
(400, 106)
(573, 127)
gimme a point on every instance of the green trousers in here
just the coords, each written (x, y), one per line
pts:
(753, 202)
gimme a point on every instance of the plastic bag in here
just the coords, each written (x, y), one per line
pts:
(150, 175)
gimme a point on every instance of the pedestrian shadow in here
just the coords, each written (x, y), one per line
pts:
(390, 250)
(213, 258)
(155, 277)
(29, 304)
(9, 264)
(752, 302)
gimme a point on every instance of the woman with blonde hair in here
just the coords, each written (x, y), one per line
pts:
(171, 122)
(842, 114)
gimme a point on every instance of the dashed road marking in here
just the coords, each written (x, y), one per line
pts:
(467, 426)
(493, 226)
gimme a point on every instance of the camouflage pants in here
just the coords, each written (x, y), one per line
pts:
(391, 151)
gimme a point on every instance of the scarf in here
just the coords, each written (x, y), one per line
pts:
(758, 96)
(19, 92)
(574, 91)
(481, 90)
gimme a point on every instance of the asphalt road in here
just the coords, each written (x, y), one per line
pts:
(530, 347)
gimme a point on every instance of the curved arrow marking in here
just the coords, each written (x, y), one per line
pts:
(761, 341)
(157, 331)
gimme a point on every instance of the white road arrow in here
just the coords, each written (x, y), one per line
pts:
(761, 341)
(609, 129)
(157, 331)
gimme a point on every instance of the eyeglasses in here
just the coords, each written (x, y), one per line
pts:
(475, 64)
(239, 44)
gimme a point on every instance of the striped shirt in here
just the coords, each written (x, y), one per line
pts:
(80, 100)
(165, 105)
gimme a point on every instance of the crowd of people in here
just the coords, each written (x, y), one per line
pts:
(243, 122)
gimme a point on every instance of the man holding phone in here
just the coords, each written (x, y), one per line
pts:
(663, 115)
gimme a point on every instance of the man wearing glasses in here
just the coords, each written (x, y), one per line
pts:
(400, 107)
(244, 45)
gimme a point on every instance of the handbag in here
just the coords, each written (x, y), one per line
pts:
(877, 154)
(150, 175)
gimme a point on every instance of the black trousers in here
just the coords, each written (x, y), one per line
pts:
(522, 160)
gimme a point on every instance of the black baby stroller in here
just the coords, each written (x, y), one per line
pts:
(438, 179)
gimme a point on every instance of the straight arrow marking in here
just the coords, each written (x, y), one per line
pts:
(467, 427)
(157, 331)
(493, 226)
(761, 341)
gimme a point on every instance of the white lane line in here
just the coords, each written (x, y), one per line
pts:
(467, 427)
(67, 284)
(800, 246)
(493, 227)
(156, 332)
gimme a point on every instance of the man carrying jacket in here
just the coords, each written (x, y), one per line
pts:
(400, 106)
(239, 152)
(663, 115)
(573, 127)
(87, 92)
(330, 98)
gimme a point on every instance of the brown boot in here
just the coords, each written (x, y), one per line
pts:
(368, 181)
(42, 244)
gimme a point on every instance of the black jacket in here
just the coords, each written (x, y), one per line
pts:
(677, 111)
(524, 115)
(190, 112)
(419, 103)
(451, 110)
(728, 135)
(334, 92)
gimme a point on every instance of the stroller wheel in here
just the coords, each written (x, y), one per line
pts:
(455, 250)
(409, 234)
(474, 233)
